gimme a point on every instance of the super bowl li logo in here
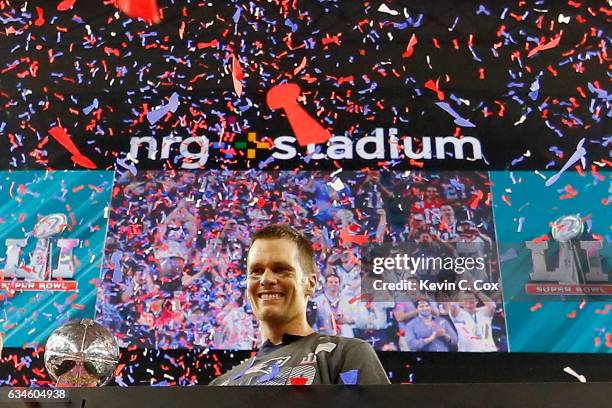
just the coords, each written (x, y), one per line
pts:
(578, 269)
(39, 274)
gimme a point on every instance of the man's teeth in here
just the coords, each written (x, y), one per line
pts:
(266, 296)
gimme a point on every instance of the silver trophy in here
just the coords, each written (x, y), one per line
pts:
(565, 230)
(81, 353)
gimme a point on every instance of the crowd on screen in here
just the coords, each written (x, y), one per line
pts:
(175, 255)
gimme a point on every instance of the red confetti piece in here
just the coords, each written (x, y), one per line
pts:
(416, 163)
(300, 67)
(40, 20)
(346, 237)
(410, 47)
(506, 200)
(478, 196)
(145, 9)
(542, 238)
(60, 134)
(65, 5)
(212, 44)
(596, 174)
(535, 307)
(434, 87)
(306, 129)
(571, 193)
(571, 315)
(39, 373)
(365, 296)
(545, 46)
(237, 75)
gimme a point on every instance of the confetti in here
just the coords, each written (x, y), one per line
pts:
(60, 134)
(545, 46)
(350, 377)
(459, 121)
(155, 115)
(573, 373)
(306, 129)
(145, 9)
(410, 47)
(579, 154)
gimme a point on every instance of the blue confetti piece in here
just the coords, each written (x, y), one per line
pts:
(535, 89)
(599, 92)
(349, 377)
(172, 105)
(91, 107)
(459, 121)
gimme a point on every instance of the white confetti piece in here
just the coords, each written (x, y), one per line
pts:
(385, 9)
(335, 173)
(521, 220)
(563, 19)
(337, 184)
(329, 347)
(573, 373)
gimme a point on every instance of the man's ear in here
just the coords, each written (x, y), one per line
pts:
(311, 284)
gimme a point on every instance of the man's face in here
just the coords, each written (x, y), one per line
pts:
(469, 302)
(418, 220)
(425, 238)
(431, 193)
(447, 211)
(423, 308)
(172, 267)
(332, 284)
(277, 286)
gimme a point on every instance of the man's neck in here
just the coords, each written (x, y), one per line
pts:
(275, 333)
(332, 296)
(426, 319)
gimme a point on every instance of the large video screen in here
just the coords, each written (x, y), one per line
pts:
(175, 274)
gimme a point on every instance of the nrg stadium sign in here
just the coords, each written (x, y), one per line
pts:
(380, 145)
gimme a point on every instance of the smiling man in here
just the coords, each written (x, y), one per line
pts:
(281, 277)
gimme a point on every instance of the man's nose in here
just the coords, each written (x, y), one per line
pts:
(268, 277)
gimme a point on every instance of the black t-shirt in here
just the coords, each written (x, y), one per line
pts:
(305, 360)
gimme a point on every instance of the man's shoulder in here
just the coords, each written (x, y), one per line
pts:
(233, 371)
(343, 343)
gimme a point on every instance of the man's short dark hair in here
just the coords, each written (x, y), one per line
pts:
(421, 299)
(332, 275)
(304, 245)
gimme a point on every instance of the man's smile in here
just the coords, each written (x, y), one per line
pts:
(270, 295)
